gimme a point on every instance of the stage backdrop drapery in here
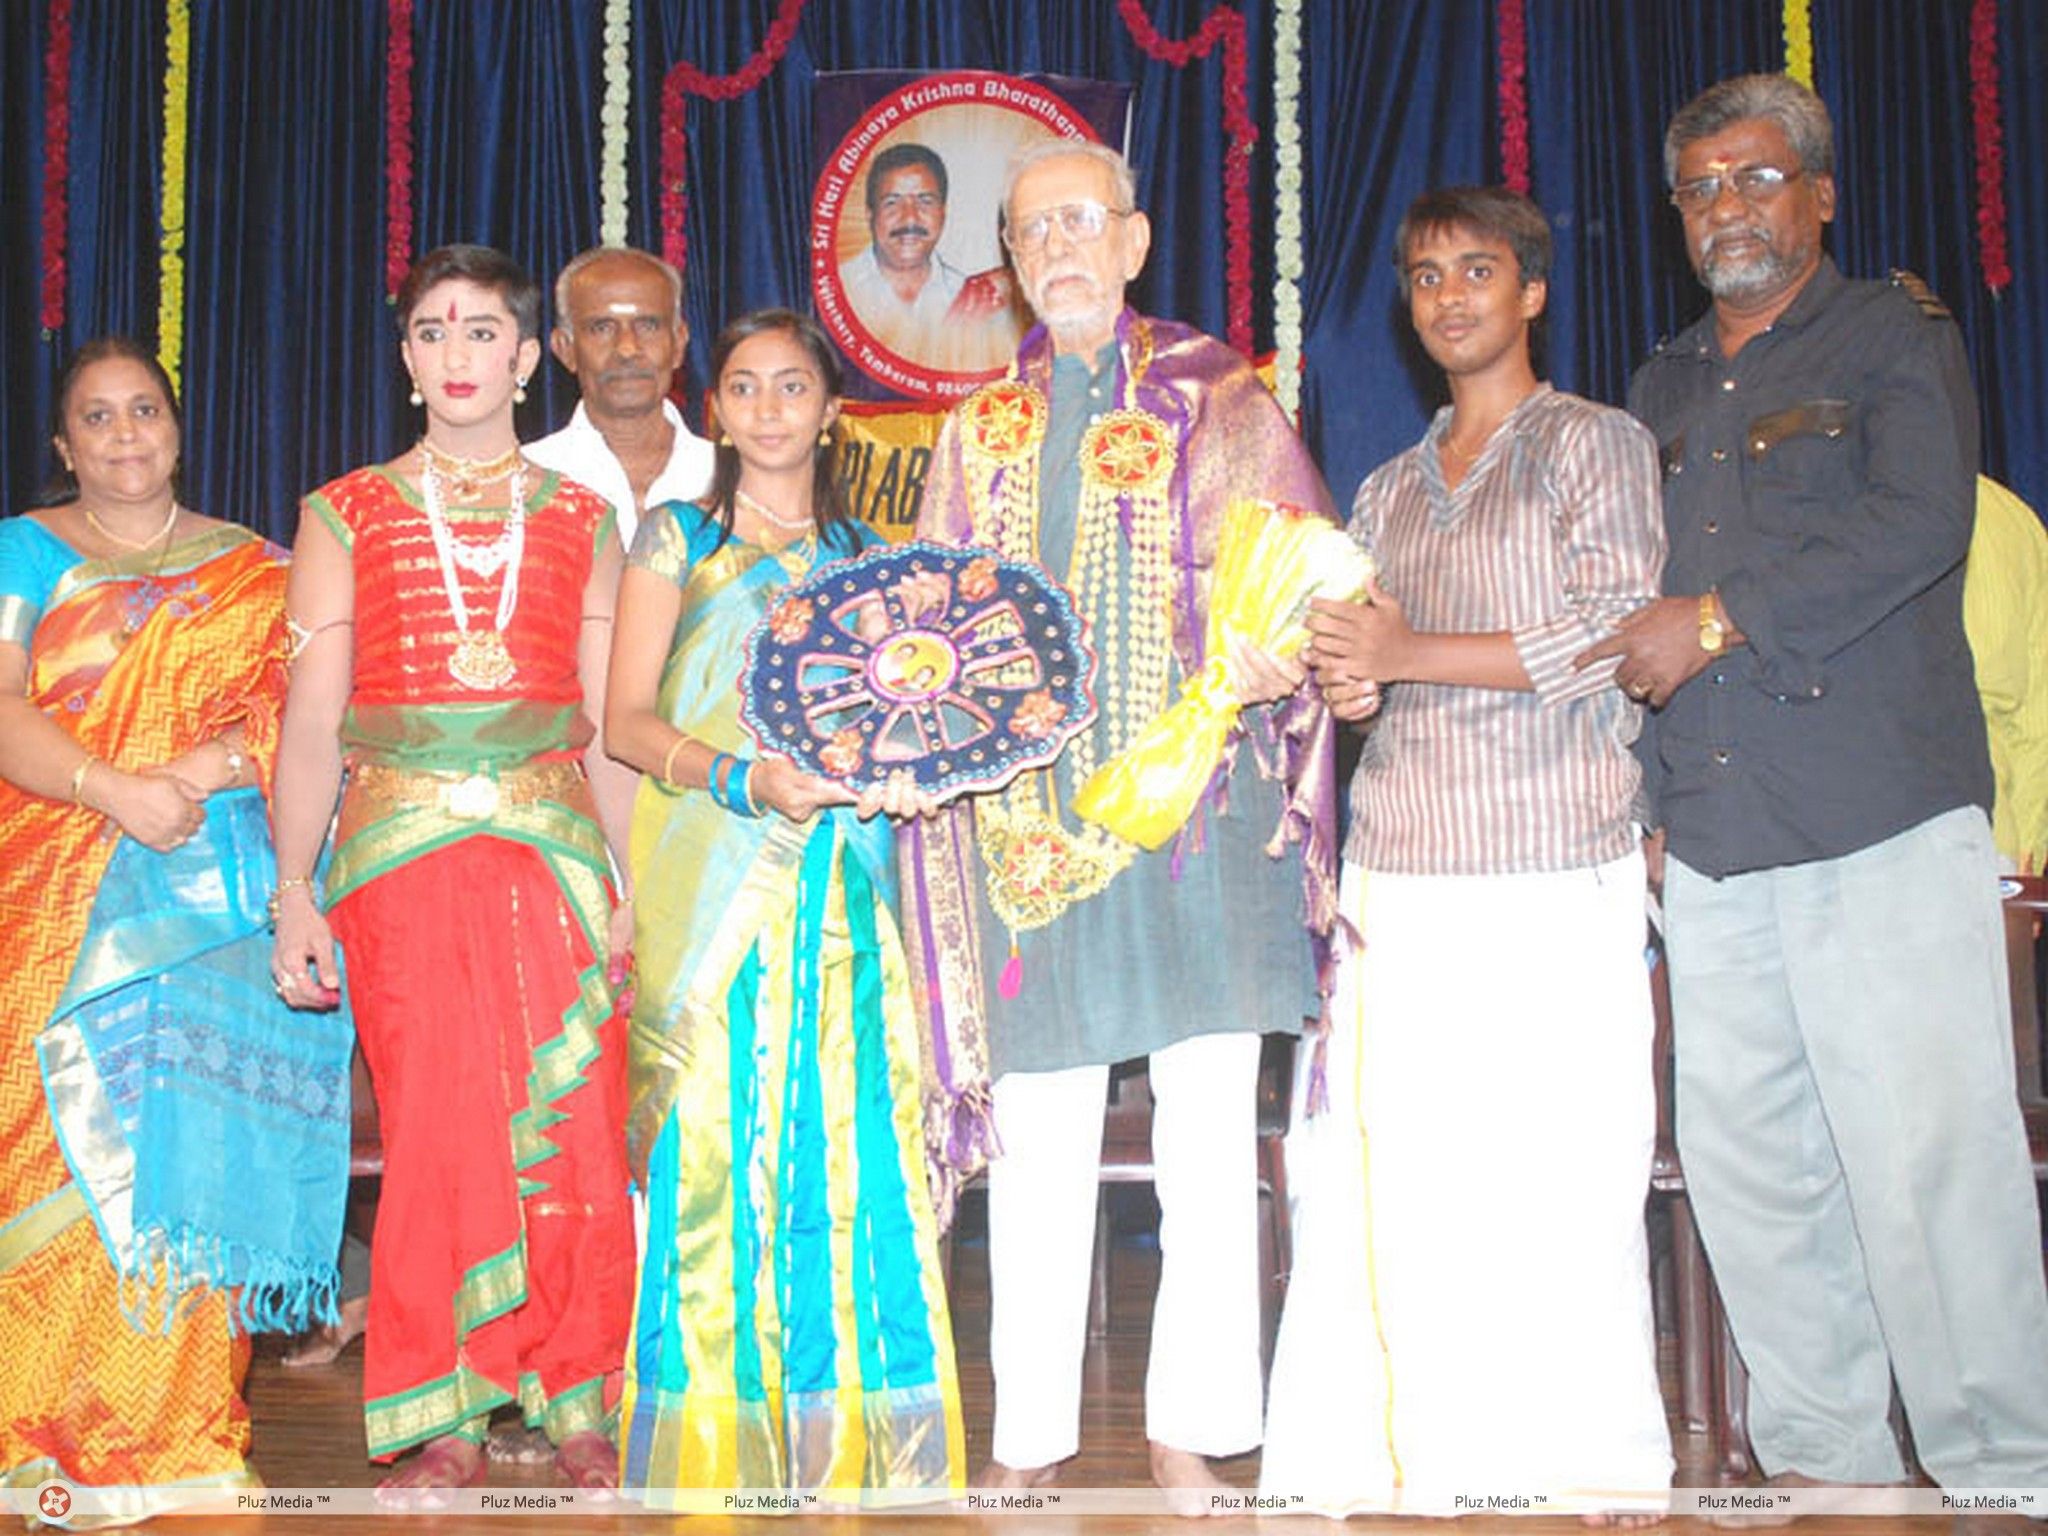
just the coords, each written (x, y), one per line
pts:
(290, 368)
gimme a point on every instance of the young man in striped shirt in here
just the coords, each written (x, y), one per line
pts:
(1469, 1314)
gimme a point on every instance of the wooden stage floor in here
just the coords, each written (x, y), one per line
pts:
(308, 1428)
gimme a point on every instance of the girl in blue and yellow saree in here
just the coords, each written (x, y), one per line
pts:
(790, 1329)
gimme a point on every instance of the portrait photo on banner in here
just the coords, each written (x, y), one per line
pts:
(907, 267)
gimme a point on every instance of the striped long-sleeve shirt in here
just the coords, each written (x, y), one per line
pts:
(1553, 536)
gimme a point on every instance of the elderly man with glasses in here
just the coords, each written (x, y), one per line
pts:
(1109, 454)
(1846, 1111)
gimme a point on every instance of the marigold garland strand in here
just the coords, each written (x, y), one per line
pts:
(1287, 200)
(1988, 120)
(398, 62)
(1511, 29)
(685, 80)
(170, 299)
(1223, 25)
(56, 210)
(1799, 41)
(616, 130)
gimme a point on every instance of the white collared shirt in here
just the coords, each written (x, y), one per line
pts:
(580, 452)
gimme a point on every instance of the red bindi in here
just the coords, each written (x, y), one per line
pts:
(451, 311)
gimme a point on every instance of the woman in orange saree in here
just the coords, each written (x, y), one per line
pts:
(141, 678)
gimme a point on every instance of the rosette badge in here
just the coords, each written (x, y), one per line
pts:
(962, 667)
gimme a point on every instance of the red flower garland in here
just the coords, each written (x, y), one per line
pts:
(1984, 105)
(56, 162)
(1226, 26)
(685, 80)
(1511, 25)
(398, 59)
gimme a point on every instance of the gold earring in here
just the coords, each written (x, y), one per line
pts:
(724, 438)
(824, 436)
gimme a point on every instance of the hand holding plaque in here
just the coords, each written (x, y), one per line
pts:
(957, 666)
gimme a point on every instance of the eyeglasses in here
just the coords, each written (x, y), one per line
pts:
(1080, 223)
(1754, 184)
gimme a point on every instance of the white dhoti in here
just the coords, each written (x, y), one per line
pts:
(1202, 1379)
(1469, 1318)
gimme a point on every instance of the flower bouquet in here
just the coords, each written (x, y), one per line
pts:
(1270, 560)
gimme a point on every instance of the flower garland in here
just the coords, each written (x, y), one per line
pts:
(618, 97)
(1226, 26)
(1992, 257)
(398, 60)
(1512, 33)
(685, 80)
(56, 163)
(1799, 41)
(1287, 206)
(170, 297)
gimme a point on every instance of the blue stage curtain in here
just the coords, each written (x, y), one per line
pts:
(117, 67)
(290, 365)
(1388, 111)
(290, 362)
(1603, 81)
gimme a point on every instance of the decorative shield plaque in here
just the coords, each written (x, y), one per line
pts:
(962, 667)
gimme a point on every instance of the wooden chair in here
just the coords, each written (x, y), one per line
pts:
(365, 1140)
(1127, 1159)
(2026, 904)
(1713, 1389)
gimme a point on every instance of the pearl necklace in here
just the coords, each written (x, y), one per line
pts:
(770, 516)
(481, 660)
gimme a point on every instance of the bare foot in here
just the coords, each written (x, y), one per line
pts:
(428, 1480)
(1186, 1480)
(996, 1475)
(323, 1345)
(589, 1463)
(518, 1444)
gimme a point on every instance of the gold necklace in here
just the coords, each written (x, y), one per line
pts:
(468, 476)
(114, 538)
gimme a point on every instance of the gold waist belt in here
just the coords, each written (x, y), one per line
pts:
(376, 790)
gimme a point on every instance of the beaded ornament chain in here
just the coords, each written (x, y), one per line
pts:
(481, 660)
(1038, 865)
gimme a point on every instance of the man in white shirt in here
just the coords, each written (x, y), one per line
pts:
(900, 285)
(619, 328)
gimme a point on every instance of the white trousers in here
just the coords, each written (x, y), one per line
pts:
(1202, 1380)
(1469, 1310)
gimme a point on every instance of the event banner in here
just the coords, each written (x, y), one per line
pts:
(907, 268)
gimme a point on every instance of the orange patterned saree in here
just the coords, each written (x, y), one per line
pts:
(137, 659)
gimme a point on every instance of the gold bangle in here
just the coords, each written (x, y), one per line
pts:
(78, 778)
(669, 761)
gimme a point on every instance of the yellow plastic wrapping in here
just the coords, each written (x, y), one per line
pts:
(1270, 560)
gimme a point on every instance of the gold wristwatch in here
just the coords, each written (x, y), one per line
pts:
(1713, 633)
